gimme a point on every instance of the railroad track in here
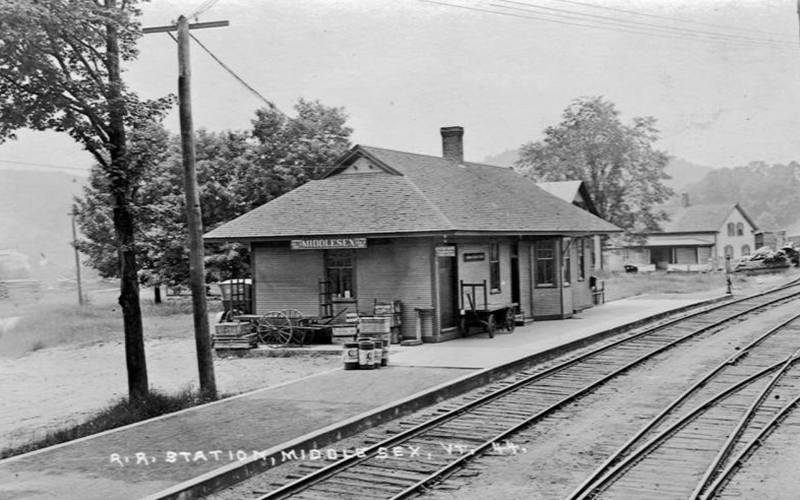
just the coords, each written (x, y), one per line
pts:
(419, 457)
(693, 445)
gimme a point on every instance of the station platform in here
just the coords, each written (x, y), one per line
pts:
(170, 455)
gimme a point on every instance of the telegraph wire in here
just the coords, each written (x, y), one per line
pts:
(203, 7)
(628, 23)
(668, 18)
(269, 103)
(41, 165)
(596, 26)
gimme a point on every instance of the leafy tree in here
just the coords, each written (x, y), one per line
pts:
(622, 170)
(236, 171)
(61, 70)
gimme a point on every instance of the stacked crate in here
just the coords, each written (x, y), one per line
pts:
(234, 335)
(378, 327)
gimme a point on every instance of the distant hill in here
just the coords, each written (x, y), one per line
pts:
(34, 220)
(683, 172)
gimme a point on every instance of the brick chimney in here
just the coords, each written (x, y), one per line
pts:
(453, 143)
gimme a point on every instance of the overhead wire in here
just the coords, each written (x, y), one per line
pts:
(669, 18)
(573, 21)
(569, 14)
(239, 79)
(42, 165)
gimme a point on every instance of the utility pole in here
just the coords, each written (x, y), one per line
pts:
(77, 258)
(205, 359)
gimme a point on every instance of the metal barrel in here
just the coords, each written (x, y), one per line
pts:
(366, 351)
(350, 355)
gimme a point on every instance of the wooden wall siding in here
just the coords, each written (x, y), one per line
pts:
(526, 295)
(477, 271)
(548, 301)
(581, 291)
(287, 279)
(396, 271)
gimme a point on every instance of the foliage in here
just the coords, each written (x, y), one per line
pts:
(618, 163)
(61, 70)
(236, 171)
(769, 194)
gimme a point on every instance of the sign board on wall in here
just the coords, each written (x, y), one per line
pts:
(446, 251)
(328, 243)
(474, 256)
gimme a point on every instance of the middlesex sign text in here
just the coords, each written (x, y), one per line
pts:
(328, 243)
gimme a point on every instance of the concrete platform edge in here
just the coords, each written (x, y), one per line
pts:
(232, 474)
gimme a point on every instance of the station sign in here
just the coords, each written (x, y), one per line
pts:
(446, 251)
(328, 243)
(474, 256)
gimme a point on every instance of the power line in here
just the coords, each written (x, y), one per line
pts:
(269, 103)
(203, 7)
(668, 18)
(570, 14)
(584, 24)
(41, 165)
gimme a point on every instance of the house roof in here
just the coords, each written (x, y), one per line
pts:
(574, 192)
(412, 194)
(701, 218)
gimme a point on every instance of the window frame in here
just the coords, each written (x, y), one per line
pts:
(731, 229)
(544, 247)
(739, 229)
(337, 286)
(581, 259)
(494, 268)
(566, 260)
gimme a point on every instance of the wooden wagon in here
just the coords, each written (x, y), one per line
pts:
(476, 310)
(283, 328)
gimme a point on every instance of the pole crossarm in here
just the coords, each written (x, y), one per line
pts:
(195, 26)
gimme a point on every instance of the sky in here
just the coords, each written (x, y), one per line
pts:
(722, 77)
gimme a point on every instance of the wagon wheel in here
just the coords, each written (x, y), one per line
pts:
(490, 325)
(274, 328)
(511, 320)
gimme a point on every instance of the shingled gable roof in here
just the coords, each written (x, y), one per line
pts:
(412, 194)
(701, 218)
(570, 191)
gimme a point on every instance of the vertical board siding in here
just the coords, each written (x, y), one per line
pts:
(477, 271)
(397, 271)
(525, 296)
(287, 279)
(547, 300)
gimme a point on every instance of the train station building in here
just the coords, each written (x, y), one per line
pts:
(433, 235)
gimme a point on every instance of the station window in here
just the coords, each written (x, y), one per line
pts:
(545, 263)
(739, 229)
(340, 272)
(494, 267)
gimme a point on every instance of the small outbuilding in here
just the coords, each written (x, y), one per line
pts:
(434, 235)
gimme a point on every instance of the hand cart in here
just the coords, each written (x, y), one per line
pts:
(483, 314)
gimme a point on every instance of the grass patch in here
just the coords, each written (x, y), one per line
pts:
(622, 285)
(95, 322)
(121, 413)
